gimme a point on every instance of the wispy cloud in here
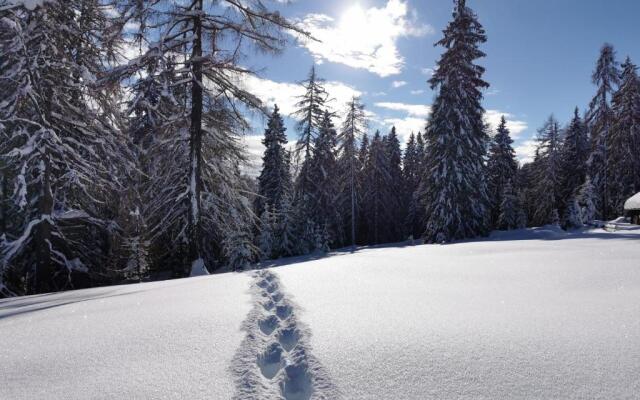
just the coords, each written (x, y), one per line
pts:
(398, 84)
(364, 38)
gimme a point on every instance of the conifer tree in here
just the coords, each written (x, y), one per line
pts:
(207, 39)
(600, 120)
(624, 140)
(353, 128)
(587, 200)
(574, 156)
(59, 144)
(267, 236)
(309, 112)
(455, 177)
(376, 184)
(275, 178)
(510, 212)
(547, 172)
(323, 170)
(394, 202)
(501, 169)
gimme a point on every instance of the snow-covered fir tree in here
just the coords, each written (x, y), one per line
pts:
(511, 214)
(267, 237)
(574, 155)
(547, 167)
(454, 173)
(376, 181)
(353, 127)
(395, 188)
(587, 200)
(275, 178)
(501, 169)
(600, 119)
(59, 144)
(624, 140)
(323, 201)
(411, 170)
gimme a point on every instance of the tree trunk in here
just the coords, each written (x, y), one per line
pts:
(195, 141)
(44, 268)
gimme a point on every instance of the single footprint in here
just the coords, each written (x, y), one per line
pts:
(268, 324)
(297, 384)
(283, 311)
(271, 360)
(288, 337)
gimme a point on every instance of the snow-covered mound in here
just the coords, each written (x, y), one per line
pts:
(532, 314)
(633, 203)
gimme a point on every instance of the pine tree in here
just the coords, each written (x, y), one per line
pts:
(287, 234)
(59, 143)
(275, 178)
(501, 169)
(455, 178)
(574, 156)
(547, 172)
(600, 120)
(352, 129)
(624, 140)
(411, 178)
(267, 236)
(310, 113)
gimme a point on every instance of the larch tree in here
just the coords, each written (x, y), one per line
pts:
(353, 127)
(599, 121)
(207, 40)
(454, 173)
(501, 169)
(309, 113)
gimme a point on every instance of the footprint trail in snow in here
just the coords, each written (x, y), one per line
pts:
(274, 360)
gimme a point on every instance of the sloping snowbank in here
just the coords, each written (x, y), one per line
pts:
(531, 314)
(633, 203)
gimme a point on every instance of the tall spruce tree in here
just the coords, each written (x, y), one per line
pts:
(377, 178)
(454, 173)
(353, 128)
(395, 188)
(411, 170)
(574, 157)
(547, 166)
(275, 178)
(600, 119)
(323, 170)
(624, 140)
(501, 169)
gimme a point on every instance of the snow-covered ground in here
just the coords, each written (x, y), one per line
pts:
(533, 314)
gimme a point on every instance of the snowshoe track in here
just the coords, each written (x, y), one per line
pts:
(274, 360)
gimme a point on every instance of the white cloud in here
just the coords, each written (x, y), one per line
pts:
(417, 92)
(414, 110)
(285, 94)
(526, 151)
(406, 126)
(398, 84)
(516, 127)
(364, 38)
(428, 71)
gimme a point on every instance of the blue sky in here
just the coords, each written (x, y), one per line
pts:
(540, 55)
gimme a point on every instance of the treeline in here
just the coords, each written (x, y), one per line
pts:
(115, 172)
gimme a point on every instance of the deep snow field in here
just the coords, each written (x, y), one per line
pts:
(534, 314)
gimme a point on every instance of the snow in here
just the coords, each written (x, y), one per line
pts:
(633, 203)
(536, 313)
(169, 340)
(28, 4)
